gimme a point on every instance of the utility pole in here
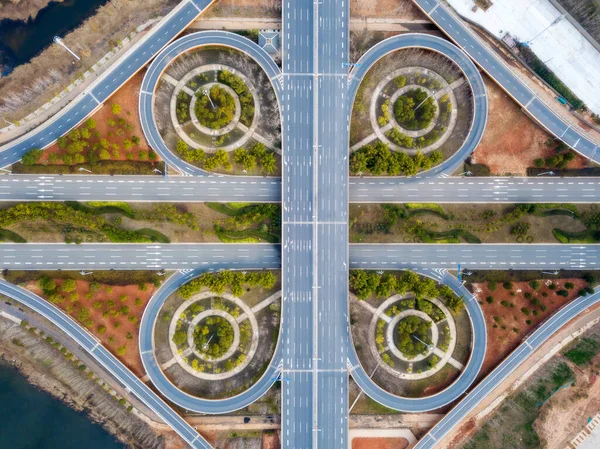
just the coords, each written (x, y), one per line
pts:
(59, 41)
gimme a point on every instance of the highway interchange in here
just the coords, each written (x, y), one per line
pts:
(315, 96)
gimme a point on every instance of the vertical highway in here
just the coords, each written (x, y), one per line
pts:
(315, 217)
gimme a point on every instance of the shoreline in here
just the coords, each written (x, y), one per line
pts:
(24, 10)
(64, 381)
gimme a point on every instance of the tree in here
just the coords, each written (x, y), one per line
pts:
(104, 155)
(115, 108)
(520, 229)
(387, 285)
(32, 157)
(68, 285)
(90, 123)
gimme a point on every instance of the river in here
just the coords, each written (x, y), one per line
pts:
(32, 419)
(22, 40)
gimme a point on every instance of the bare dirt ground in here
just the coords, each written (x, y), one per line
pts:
(271, 441)
(385, 8)
(379, 443)
(566, 413)
(247, 8)
(128, 98)
(456, 438)
(22, 9)
(503, 339)
(512, 141)
(31, 85)
(115, 336)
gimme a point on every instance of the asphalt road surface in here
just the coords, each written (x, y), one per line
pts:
(361, 190)
(126, 256)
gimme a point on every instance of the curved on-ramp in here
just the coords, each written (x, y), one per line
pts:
(119, 371)
(459, 386)
(164, 385)
(166, 57)
(507, 80)
(464, 63)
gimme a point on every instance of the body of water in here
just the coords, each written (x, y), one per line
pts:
(20, 41)
(32, 419)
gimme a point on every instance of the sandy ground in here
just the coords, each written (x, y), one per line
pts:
(131, 358)
(385, 8)
(502, 341)
(379, 443)
(512, 141)
(567, 412)
(128, 98)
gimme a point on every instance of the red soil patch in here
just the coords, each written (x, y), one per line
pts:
(503, 341)
(379, 443)
(270, 441)
(512, 141)
(114, 337)
(128, 98)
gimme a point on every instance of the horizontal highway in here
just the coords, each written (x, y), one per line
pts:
(123, 256)
(361, 190)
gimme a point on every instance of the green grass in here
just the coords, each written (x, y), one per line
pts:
(154, 235)
(244, 236)
(10, 236)
(230, 209)
(452, 236)
(583, 352)
(587, 236)
(103, 207)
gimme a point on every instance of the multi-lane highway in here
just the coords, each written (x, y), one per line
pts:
(129, 256)
(314, 112)
(190, 189)
(314, 94)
